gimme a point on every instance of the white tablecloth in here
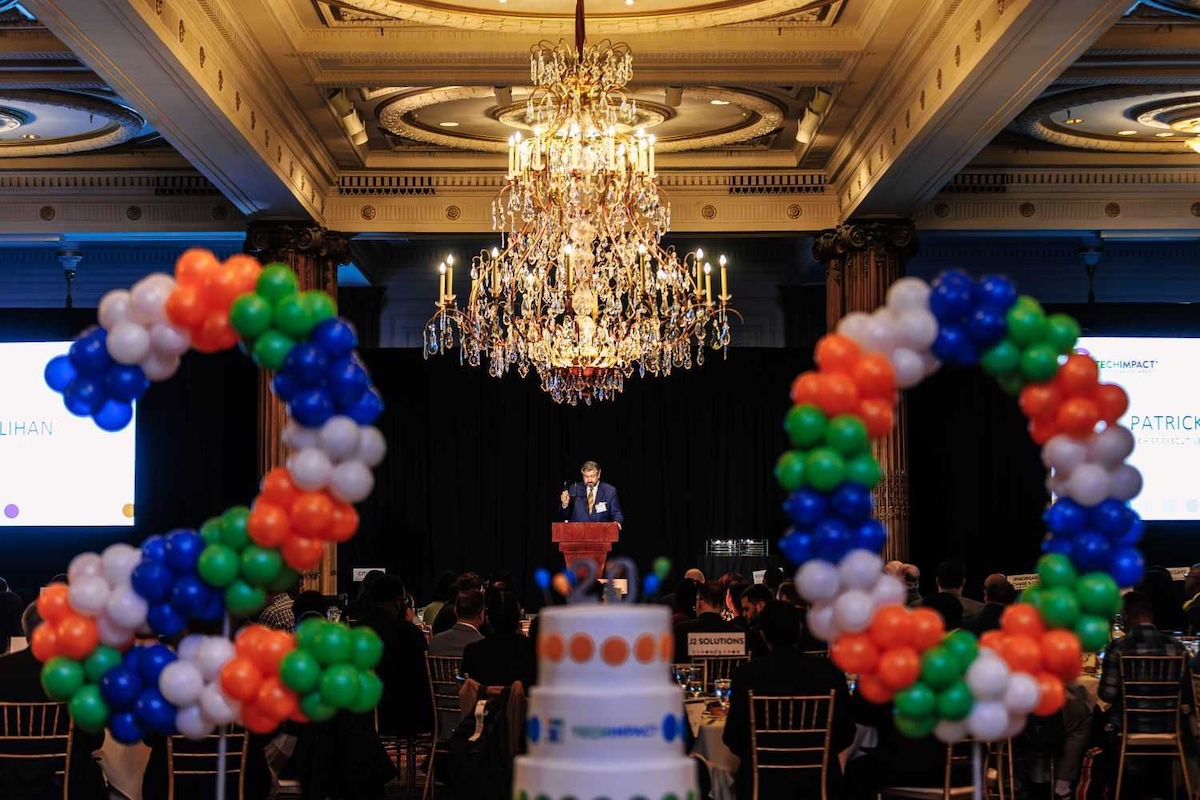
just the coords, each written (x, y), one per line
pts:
(124, 765)
(722, 762)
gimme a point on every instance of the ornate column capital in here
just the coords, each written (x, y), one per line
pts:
(896, 238)
(273, 241)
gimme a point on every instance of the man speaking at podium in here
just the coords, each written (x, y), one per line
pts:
(591, 500)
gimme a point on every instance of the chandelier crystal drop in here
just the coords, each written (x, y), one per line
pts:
(581, 290)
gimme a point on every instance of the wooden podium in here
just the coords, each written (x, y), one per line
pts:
(585, 540)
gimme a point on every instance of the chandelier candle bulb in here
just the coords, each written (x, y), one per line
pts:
(650, 155)
(442, 283)
(708, 283)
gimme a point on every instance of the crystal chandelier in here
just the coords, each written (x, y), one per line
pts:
(582, 290)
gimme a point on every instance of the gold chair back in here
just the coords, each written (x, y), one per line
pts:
(718, 667)
(1151, 712)
(197, 761)
(37, 732)
(790, 734)
(445, 681)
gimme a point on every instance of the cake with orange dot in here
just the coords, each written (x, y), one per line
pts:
(606, 720)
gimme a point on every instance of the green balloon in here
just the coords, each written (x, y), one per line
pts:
(1011, 384)
(1062, 332)
(1055, 572)
(339, 685)
(233, 528)
(370, 690)
(332, 645)
(1026, 322)
(1033, 596)
(955, 702)
(366, 648)
(300, 672)
(88, 709)
(789, 470)
(1039, 363)
(1001, 359)
(864, 470)
(218, 565)
(939, 668)
(250, 316)
(963, 646)
(320, 305)
(316, 709)
(1059, 608)
(848, 435)
(1093, 632)
(102, 659)
(1098, 594)
(271, 349)
(824, 469)
(292, 317)
(260, 565)
(914, 727)
(662, 567)
(211, 530)
(276, 282)
(61, 678)
(243, 600)
(306, 631)
(286, 579)
(805, 426)
(917, 700)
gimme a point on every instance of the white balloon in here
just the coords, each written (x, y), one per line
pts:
(987, 677)
(854, 326)
(148, 298)
(85, 565)
(916, 328)
(1088, 485)
(1125, 482)
(908, 366)
(908, 293)
(988, 721)
(1016, 724)
(128, 342)
(821, 623)
(119, 561)
(111, 633)
(372, 447)
(950, 732)
(860, 569)
(180, 682)
(818, 581)
(188, 647)
(114, 307)
(88, 595)
(932, 365)
(339, 438)
(217, 708)
(1022, 695)
(191, 721)
(352, 481)
(1055, 483)
(159, 368)
(853, 610)
(881, 335)
(889, 591)
(1063, 454)
(310, 469)
(126, 608)
(1111, 446)
(169, 342)
(298, 437)
(213, 655)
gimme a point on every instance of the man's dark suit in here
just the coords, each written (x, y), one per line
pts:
(786, 672)
(501, 659)
(988, 619)
(606, 499)
(708, 622)
(405, 708)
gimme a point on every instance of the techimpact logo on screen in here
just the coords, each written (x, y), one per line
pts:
(1121, 366)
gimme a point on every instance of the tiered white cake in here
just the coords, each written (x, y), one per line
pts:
(606, 721)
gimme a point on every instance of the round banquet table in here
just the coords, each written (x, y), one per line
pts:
(124, 765)
(722, 763)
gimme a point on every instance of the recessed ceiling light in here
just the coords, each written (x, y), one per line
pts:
(448, 124)
(1126, 133)
(1073, 121)
(29, 136)
(1163, 135)
(628, 2)
(719, 102)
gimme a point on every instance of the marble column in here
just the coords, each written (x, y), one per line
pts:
(862, 259)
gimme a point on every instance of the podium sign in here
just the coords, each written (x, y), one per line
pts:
(578, 541)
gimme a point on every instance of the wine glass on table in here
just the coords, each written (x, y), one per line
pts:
(721, 688)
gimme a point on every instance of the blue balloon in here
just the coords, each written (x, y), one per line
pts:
(1126, 566)
(806, 507)
(650, 584)
(284, 387)
(113, 416)
(152, 661)
(213, 609)
(871, 535)
(85, 396)
(125, 729)
(152, 581)
(997, 292)
(154, 713)
(335, 336)
(1090, 551)
(953, 346)
(312, 408)
(59, 373)
(154, 549)
(89, 353)
(367, 409)
(183, 551)
(987, 326)
(133, 659)
(306, 364)
(165, 620)
(1058, 545)
(951, 302)
(797, 548)
(348, 379)
(189, 595)
(120, 687)
(126, 382)
(1065, 517)
(955, 277)
(832, 539)
(541, 576)
(853, 502)
(1135, 533)
(1113, 518)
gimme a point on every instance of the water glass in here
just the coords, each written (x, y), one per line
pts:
(721, 690)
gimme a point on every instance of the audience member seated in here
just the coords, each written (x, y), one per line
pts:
(443, 592)
(312, 604)
(710, 601)
(695, 574)
(278, 613)
(20, 682)
(445, 618)
(897, 760)
(1159, 586)
(912, 582)
(753, 601)
(947, 605)
(10, 611)
(682, 601)
(469, 613)
(733, 605)
(773, 578)
(788, 593)
(1191, 606)
(998, 594)
(950, 580)
(405, 708)
(729, 610)
(506, 656)
(785, 671)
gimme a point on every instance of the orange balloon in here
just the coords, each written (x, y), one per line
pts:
(1022, 619)
(268, 524)
(343, 523)
(185, 307)
(1038, 400)
(44, 643)
(258, 721)
(277, 488)
(927, 628)
(876, 414)
(1022, 653)
(231, 280)
(1054, 694)
(276, 700)
(301, 554)
(52, 603)
(836, 354)
(249, 639)
(77, 636)
(855, 652)
(1111, 401)
(993, 639)
(311, 514)
(899, 668)
(240, 679)
(268, 650)
(805, 388)
(874, 376)
(873, 690)
(837, 394)
(1062, 654)
(1078, 416)
(245, 270)
(1078, 376)
(891, 627)
(1042, 430)
(195, 266)
(217, 332)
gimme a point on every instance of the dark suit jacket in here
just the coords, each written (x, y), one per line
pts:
(502, 659)
(708, 622)
(988, 619)
(785, 672)
(577, 510)
(405, 708)
(454, 641)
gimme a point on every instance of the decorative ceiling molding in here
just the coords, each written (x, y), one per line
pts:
(1035, 122)
(123, 125)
